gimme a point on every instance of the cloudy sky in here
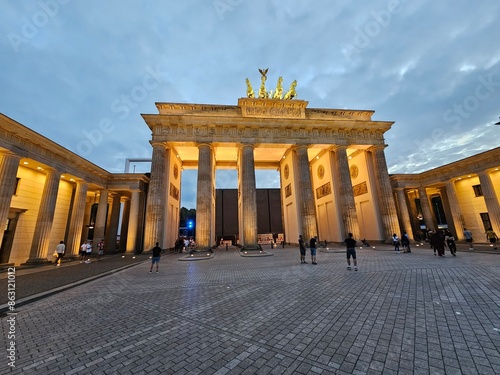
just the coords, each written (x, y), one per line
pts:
(81, 72)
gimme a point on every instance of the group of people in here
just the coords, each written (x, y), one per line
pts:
(183, 244)
(312, 247)
(440, 239)
(350, 244)
(85, 252)
(404, 242)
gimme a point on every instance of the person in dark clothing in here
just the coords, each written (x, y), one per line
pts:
(156, 257)
(438, 241)
(312, 246)
(351, 251)
(302, 248)
(405, 242)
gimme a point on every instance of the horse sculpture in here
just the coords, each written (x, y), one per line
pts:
(291, 93)
(250, 93)
(279, 89)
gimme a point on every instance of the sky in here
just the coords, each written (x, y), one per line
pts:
(81, 73)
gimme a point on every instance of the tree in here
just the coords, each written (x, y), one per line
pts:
(186, 215)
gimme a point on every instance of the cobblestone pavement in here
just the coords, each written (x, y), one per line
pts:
(399, 314)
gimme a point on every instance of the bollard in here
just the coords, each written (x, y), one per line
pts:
(226, 246)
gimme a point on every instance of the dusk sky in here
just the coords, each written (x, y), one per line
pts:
(81, 73)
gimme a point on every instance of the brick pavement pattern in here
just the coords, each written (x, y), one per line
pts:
(399, 314)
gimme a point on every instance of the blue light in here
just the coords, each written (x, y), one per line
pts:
(190, 224)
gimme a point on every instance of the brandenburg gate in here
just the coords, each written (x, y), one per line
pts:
(332, 167)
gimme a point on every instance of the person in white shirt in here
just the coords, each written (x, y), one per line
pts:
(60, 250)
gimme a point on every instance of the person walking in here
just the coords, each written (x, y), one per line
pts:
(468, 238)
(405, 242)
(156, 257)
(396, 243)
(302, 248)
(439, 242)
(450, 241)
(351, 252)
(492, 237)
(60, 250)
(312, 246)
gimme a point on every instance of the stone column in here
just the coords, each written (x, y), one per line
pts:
(248, 197)
(133, 222)
(45, 218)
(384, 192)
(307, 209)
(346, 203)
(124, 227)
(404, 212)
(110, 243)
(455, 212)
(157, 195)
(101, 218)
(426, 209)
(76, 219)
(491, 200)
(9, 164)
(204, 196)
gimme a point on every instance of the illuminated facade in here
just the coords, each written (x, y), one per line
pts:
(331, 162)
(332, 166)
(49, 194)
(463, 194)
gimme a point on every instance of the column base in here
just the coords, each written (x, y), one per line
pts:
(200, 253)
(36, 262)
(254, 251)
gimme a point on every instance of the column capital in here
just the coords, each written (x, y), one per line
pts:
(377, 147)
(301, 146)
(204, 144)
(336, 148)
(159, 144)
(245, 145)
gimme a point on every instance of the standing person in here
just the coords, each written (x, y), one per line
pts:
(312, 245)
(60, 250)
(450, 241)
(89, 252)
(405, 241)
(302, 248)
(351, 252)
(468, 238)
(156, 257)
(100, 249)
(492, 237)
(83, 252)
(395, 242)
(439, 242)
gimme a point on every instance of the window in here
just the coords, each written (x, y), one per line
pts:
(485, 218)
(16, 186)
(477, 190)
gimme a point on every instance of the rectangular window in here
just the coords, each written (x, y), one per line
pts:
(485, 218)
(477, 190)
(16, 186)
